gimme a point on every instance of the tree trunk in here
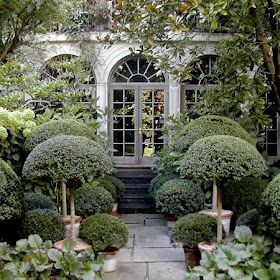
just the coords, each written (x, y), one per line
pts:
(63, 198)
(72, 207)
(214, 197)
(220, 225)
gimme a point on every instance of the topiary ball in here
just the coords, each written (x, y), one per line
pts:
(220, 157)
(195, 228)
(104, 231)
(243, 195)
(209, 125)
(67, 157)
(119, 186)
(44, 222)
(107, 185)
(58, 127)
(33, 201)
(90, 200)
(249, 219)
(11, 193)
(179, 197)
(270, 208)
(158, 181)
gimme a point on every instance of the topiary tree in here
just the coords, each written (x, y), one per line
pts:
(11, 193)
(107, 185)
(65, 158)
(119, 186)
(179, 197)
(270, 208)
(33, 201)
(90, 200)
(57, 127)
(45, 222)
(219, 158)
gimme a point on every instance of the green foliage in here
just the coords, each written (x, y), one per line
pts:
(55, 128)
(194, 228)
(34, 201)
(243, 195)
(45, 222)
(119, 185)
(179, 197)
(247, 257)
(67, 157)
(270, 208)
(249, 219)
(158, 181)
(104, 231)
(15, 126)
(92, 199)
(107, 185)
(33, 259)
(11, 193)
(221, 157)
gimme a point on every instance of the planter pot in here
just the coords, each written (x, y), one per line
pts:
(67, 222)
(115, 210)
(110, 260)
(226, 217)
(206, 247)
(171, 220)
(80, 245)
(192, 256)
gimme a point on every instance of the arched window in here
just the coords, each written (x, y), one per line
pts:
(200, 77)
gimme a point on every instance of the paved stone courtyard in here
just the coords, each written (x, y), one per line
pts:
(149, 255)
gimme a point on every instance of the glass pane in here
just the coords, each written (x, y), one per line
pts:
(271, 136)
(129, 136)
(159, 109)
(129, 95)
(132, 63)
(147, 95)
(148, 150)
(119, 79)
(157, 79)
(118, 95)
(143, 64)
(118, 150)
(118, 123)
(272, 149)
(190, 96)
(158, 96)
(158, 122)
(128, 109)
(118, 109)
(123, 70)
(158, 137)
(118, 136)
(147, 121)
(138, 79)
(129, 150)
(129, 123)
(158, 147)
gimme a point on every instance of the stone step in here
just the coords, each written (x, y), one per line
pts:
(136, 196)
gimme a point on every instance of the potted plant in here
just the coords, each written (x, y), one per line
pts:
(106, 234)
(191, 230)
(179, 197)
(67, 158)
(219, 158)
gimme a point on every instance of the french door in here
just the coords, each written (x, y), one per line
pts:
(138, 115)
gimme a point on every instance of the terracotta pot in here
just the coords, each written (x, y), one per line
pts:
(67, 222)
(110, 260)
(192, 256)
(114, 211)
(80, 245)
(171, 220)
(206, 247)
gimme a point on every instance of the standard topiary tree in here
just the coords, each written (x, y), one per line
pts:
(219, 158)
(270, 208)
(58, 127)
(33, 201)
(11, 193)
(179, 197)
(65, 158)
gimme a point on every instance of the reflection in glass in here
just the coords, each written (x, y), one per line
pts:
(129, 150)
(118, 123)
(129, 95)
(129, 136)
(118, 95)
(118, 136)
(129, 123)
(118, 150)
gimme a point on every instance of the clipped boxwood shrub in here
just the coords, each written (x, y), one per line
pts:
(194, 228)
(90, 200)
(243, 195)
(104, 231)
(158, 181)
(33, 201)
(209, 125)
(109, 186)
(119, 186)
(11, 193)
(44, 222)
(270, 208)
(179, 197)
(249, 219)
(55, 128)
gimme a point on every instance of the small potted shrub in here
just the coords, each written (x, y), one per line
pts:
(33, 201)
(45, 222)
(218, 159)
(191, 230)
(179, 197)
(91, 199)
(106, 234)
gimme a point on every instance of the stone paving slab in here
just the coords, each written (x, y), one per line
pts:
(153, 216)
(133, 218)
(138, 229)
(125, 255)
(158, 255)
(155, 222)
(167, 271)
(126, 271)
(156, 240)
(129, 244)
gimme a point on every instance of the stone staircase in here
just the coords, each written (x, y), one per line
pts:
(136, 196)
